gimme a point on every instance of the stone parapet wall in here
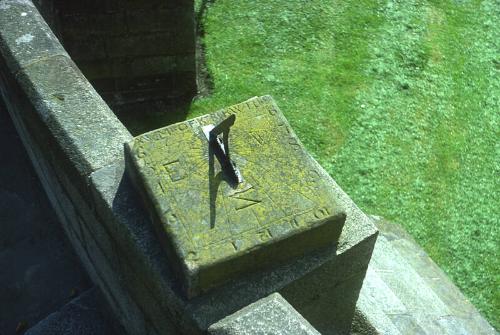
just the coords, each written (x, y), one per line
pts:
(76, 145)
(51, 97)
(66, 128)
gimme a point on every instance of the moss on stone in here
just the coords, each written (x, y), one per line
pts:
(214, 231)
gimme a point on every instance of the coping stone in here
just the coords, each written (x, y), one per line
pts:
(76, 116)
(25, 37)
(270, 315)
(83, 315)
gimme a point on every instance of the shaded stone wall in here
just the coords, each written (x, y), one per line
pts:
(130, 50)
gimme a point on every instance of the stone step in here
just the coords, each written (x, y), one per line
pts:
(85, 315)
(377, 298)
(424, 308)
(269, 315)
(462, 311)
(405, 292)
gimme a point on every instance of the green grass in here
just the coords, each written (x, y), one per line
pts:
(398, 100)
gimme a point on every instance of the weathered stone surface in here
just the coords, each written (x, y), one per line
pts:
(404, 292)
(153, 44)
(214, 231)
(270, 315)
(84, 315)
(25, 37)
(74, 113)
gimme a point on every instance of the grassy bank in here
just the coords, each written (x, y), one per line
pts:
(399, 101)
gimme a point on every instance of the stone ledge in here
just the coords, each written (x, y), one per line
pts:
(60, 118)
(270, 315)
(75, 115)
(44, 87)
(84, 315)
(25, 37)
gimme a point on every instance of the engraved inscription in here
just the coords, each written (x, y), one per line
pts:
(294, 222)
(192, 256)
(312, 176)
(172, 219)
(162, 188)
(321, 213)
(244, 199)
(293, 141)
(257, 137)
(233, 110)
(236, 244)
(264, 235)
(174, 170)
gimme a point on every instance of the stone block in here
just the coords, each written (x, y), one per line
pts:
(214, 231)
(412, 292)
(73, 113)
(84, 315)
(96, 69)
(170, 85)
(85, 48)
(154, 44)
(104, 85)
(25, 37)
(80, 25)
(158, 20)
(157, 4)
(152, 65)
(65, 7)
(270, 315)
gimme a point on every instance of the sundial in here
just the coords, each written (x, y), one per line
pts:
(233, 192)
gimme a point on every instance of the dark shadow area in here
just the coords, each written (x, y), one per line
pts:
(141, 117)
(220, 148)
(214, 182)
(39, 271)
(146, 59)
(204, 79)
(139, 56)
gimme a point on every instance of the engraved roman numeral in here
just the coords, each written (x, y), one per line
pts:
(264, 235)
(174, 170)
(244, 200)
(321, 213)
(257, 137)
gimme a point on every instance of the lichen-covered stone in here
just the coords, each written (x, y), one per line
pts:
(213, 231)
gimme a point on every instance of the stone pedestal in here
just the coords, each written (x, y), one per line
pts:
(213, 230)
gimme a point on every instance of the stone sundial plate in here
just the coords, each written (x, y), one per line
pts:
(214, 231)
